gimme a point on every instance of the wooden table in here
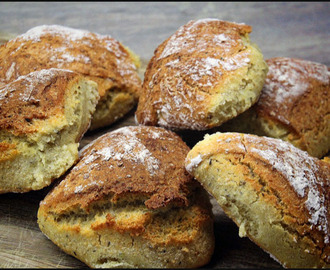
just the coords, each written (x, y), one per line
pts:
(295, 29)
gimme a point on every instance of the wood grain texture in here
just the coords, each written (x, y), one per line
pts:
(295, 29)
(291, 29)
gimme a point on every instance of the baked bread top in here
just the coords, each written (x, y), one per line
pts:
(204, 74)
(43, 116)
(129, 202)
(281, 175)
(130, 163)
(296, 97)
(99, 57)
(27, 102)
(292, 90)
(294, 106)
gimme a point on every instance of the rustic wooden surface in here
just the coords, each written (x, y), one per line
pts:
(293, 29)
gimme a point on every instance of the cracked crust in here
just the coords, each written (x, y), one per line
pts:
(277, 194)
(293, 106)
(129, 202)
(100, 58)
(206, 73)
(43, 116)
(30, 101)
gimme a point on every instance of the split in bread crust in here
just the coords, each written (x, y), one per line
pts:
(129, 202)
(100, 58)
(43, 115)
(277, 194)
(206, 73)
(294, 106)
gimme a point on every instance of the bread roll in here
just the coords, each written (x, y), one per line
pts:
(129, 202)
(100, 58)
(206, 73)
(43, 115)
(277, 194)
(294, 106)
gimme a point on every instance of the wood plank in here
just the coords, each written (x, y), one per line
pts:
(293, 29)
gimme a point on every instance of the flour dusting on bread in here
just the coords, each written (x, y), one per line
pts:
(127, 146)
(185, 37)
(186, 40)
(300, 170)
(30, 82)
(276, 194)
(43, 116)
(69, 35)
(207, 72)
(129, 202)
(204, 71)
(144, 150)
(97, 57)
(288, 78)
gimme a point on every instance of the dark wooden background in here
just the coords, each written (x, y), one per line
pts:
(291, 29)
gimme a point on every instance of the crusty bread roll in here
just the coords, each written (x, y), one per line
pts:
(277, 194)
(100, 58)
(294, 106)
(129, 202)
(206, 73)
(43, 115)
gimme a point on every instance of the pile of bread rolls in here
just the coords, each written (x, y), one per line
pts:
(139, 196)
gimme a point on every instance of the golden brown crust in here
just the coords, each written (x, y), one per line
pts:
(90, 54)
(39, 95)
(293, 83)
(188, 69)
(129, 202)
(43, 116)
(283, 176)
(100, 58)
(132, 235)
(150, 224)
(296, 95)
(293, 106)
(142, 161)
